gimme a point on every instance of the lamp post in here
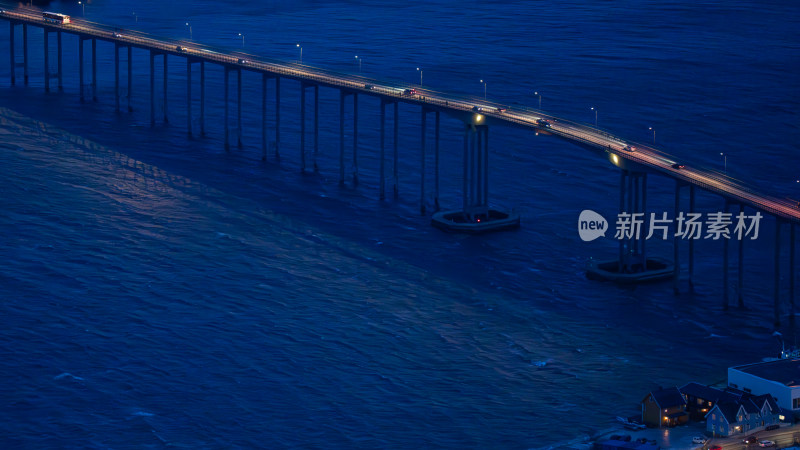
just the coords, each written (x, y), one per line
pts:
(135, 17)
(420, 75)
(359, 63)
(83, 5)
(654, 134)
(595, 115)
(484, 89)
(190, 30)
(301, 52)
(242, 36)
(540, 99)
(725, 157)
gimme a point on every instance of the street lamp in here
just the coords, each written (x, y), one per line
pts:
(359, 63)
(242, 36)
(540, 99)
(135, 17)
(84, 8)
(420, 76)
(726, 161)
(484, 89)
(301, 53)
(190, 30)
(654, 134)
(595, 115)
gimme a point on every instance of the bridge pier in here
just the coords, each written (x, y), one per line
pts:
(239, 107)
(202, 98)
(24, 52)
(792, 273)
(675, 243)
(342, 96)
(316, 126)
(189, 96)
(59, 65)
(46, 61)
(152, 88)
(227, 130)
(691, 241)
(264, 78)
(13, 62)
(166, 102)
(424, 128)
(355, 138)
(436, 164)
(94, 70)
(725, 266)
(395, 171)
(116, 76)
(777, 271)
(277, 117)
(130, 77)
(80, 66)
(740, 275)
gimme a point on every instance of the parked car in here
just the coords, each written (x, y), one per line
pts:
(772, 427)
(752, 439)
(715, 447)
(766, 443)
(699, 440)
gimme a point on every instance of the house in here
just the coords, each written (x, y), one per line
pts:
(664, 408)
(700, 399)
(750, 413)
(780, 379)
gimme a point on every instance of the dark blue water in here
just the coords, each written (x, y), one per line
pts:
(159, 292)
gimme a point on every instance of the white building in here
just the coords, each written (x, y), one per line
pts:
(780, 379)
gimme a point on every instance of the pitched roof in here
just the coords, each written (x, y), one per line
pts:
(669, 397)
(708, 393)
(759, 400)
(728, 410)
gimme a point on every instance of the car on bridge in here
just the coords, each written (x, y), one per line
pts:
(179, 48)
(117, 35)
(544, 122)
(410, 92)
(502, 110)
(369, 86)
(243, 61)
(629, 148)
(477, 108)
(681, 166)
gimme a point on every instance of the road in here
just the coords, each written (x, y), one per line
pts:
(646, 156)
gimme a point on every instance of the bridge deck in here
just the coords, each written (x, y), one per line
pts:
(585, 135)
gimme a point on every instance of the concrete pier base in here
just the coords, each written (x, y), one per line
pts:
(457, 221)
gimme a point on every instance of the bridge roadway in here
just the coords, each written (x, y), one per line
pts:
(648, 157)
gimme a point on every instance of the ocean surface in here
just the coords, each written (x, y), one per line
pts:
(158, 292)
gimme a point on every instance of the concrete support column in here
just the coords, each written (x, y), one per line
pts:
(675, 244)
(130, 77)
(12, 62)
(792, 273)
(227, 129)
(436, 164)
(395, 143)
(239, 107)
(59, 65)
(24, 52)
(202, 98)
(46, 61)
(691, 241)
(116, 75)
(485, 167)
(777, 303)
(622, 179)
(465, 177)
(80, 67)
(316, 126)
(382, 184)
(422, 162)
(740, 275)
(166, 102)
(341, 137)
(645, 223)
(725, 266)
(189, 96)
(152, 88)
(355, 139)
(264, 117)
(277, 118)
(94, 70)
(302, 127)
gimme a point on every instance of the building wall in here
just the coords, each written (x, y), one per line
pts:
(715, 423)
(757, 386)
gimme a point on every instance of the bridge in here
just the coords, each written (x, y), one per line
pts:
(634, 160)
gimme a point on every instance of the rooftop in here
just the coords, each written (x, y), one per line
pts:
(784, 371)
